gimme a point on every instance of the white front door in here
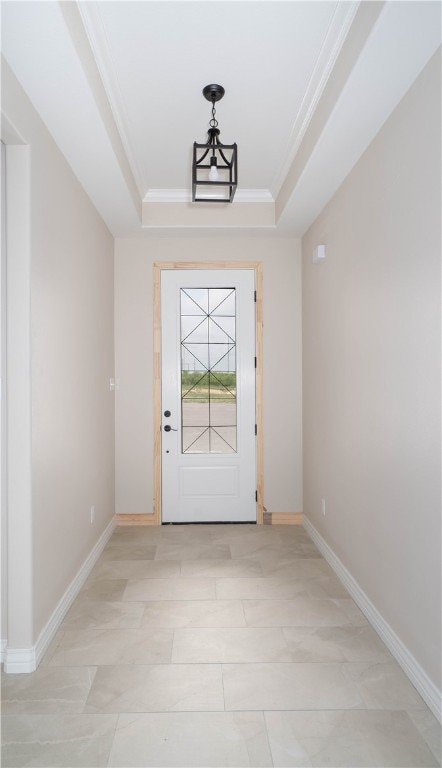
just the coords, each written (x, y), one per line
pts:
(208, 395)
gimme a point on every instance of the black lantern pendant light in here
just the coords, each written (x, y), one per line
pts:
(214, 165)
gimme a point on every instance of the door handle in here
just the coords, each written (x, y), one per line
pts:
(168, 428)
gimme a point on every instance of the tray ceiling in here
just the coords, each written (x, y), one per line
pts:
(308, 85)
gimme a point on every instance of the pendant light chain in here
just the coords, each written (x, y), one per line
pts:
(214, 122)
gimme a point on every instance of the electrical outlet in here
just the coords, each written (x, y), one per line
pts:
(92, 514)
(323, 506)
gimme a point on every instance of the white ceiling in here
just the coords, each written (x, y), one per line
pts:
(308, 85)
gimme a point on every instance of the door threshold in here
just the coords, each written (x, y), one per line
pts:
(216, 522)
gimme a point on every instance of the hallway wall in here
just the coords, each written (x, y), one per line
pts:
(371, 372)
(282, 419)
(71, 337)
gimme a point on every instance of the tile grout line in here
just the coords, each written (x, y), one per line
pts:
(268, 736)
(222, 683)
(117, 722)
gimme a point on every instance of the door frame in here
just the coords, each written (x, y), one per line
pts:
(158, 267)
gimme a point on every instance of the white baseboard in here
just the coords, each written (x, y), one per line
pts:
(3, 644)
(19, 660)
(419, 678)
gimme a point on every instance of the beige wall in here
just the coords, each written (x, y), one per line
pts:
(371, 372)
(72, 358)
(134, 260)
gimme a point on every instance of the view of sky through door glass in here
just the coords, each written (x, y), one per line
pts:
(208, 370)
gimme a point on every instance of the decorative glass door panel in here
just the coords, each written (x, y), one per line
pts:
(208, 444)
(208, 370)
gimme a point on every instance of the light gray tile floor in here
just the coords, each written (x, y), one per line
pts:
(215, 645)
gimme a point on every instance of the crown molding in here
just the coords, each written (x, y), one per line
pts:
(253, 196)
(185, 196)
(167, 196)
(337, 32)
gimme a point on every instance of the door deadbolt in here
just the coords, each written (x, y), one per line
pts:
(167, 414)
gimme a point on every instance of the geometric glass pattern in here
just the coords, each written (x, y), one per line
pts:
(208, 370)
